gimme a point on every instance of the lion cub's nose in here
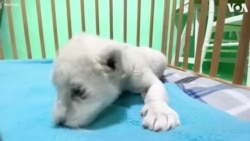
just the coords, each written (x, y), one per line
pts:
(59, 113)
(61, 122)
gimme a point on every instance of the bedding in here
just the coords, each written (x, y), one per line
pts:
(228, 98)
(27, 96)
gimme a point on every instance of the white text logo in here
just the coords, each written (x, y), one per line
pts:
(234, 7)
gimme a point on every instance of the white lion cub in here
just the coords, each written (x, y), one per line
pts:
(90, 72)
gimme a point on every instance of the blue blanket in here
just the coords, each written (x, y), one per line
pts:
(27, 96)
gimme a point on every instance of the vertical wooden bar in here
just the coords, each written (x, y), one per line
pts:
(40, 26)
(218, 37)
(97, 17)
(243, 48)
(151, 23)
(111, 18)
(138, 23)
(178, 44)
(26, 32)
(201, 31)
(1, 49)
(69, 18)
(165, 27)
(125, 21)
(188, 33)
(82, 15)
(53, 9)
(12, 33)
(171, 33)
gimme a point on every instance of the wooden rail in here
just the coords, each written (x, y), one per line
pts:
(40, 26)
(165, 27)
(178, 44)
(12, 32)
(243, 48)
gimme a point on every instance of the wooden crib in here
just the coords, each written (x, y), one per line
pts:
(185, 29)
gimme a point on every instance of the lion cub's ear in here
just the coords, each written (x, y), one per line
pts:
(110, 58)
(111, 62)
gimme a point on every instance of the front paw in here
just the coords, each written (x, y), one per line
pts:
(158, 116)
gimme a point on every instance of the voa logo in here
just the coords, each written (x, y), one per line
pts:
(234, 7)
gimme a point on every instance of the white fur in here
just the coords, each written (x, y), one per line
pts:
(82, 62)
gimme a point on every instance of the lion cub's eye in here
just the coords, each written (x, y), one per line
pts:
(77, 92)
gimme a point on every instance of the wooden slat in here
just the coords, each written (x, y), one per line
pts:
(12, 33)
(111, 19)
(1, 50)
(218, 37)
(53, 9)
(83, 15)
(243, 48)
(40, 26)
(188, 33)
(26, 32)
(178, 44)
(69, 18)
(151, 23)
(165, 27)
(138, 23)
(97, 17)
(201, 31)
(170, 47)
(125, 21)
